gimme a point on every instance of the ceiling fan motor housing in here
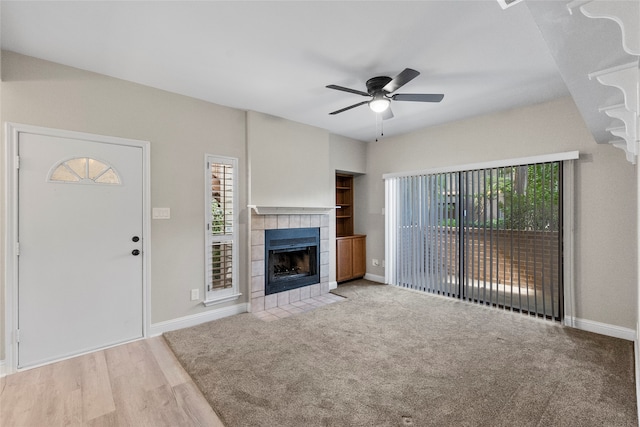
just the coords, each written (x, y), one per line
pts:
(375, 84)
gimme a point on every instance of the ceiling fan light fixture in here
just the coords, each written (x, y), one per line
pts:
(379, 103)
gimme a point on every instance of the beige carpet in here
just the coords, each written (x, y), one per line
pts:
(392, 357)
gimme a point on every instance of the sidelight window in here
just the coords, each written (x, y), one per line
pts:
(221, 229)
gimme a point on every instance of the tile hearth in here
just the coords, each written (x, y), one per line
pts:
(297, 307)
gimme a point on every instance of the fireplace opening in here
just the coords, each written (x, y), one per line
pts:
(292, 258)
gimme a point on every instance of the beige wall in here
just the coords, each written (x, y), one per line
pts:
(288, 163)
(605, 193)
(181, 130)
(348, 155)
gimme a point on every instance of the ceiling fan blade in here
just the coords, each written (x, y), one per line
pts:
(349, 107)
(418, 97)
(400, 80)
(387, 114)
(346, 89)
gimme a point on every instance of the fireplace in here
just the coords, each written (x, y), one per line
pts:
(292, 259)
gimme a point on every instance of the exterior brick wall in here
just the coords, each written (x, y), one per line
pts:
(528, 259)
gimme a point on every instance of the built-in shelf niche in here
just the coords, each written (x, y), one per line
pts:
(344, 205)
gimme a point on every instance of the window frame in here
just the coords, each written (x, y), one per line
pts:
(218, 296)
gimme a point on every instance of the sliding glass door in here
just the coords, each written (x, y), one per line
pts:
(491, 236)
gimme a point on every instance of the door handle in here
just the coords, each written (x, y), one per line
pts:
(135, 252)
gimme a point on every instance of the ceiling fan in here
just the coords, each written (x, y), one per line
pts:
(379, 89)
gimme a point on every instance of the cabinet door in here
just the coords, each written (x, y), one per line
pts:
(359, 256)
(344, 255)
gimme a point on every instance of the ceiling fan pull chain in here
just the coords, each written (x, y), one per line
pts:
(379, 121)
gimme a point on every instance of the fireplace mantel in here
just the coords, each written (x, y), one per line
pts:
(291, 210)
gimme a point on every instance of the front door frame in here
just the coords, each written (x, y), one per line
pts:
(12, 134)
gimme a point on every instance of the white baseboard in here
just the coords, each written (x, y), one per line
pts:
(636, 348)
(3, 370)
(374, 278)
(333, 285)
(601, 328)
(195, 319)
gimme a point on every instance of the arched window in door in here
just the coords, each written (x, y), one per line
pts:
(84, 170)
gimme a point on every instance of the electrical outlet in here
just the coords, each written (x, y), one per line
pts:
(375, 262)
(195, 294)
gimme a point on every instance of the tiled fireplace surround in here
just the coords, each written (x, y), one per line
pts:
(259, 223)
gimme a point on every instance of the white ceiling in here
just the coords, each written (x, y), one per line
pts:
(276, 57)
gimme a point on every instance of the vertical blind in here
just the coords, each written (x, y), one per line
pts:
(489, 235)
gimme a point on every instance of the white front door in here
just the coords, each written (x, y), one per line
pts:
(80, 207)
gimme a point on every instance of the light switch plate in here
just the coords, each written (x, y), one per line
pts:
(161, 213)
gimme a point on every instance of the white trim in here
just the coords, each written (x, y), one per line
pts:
(210, 302)
(390, 210)
(545, 158)
(3, 372)
(374, 278)
(600, 328)
(12, 132)
(568, 233)
(614, 69)
(11, 238)
(574, 4)
(637, 337)
(82, 353)
(636, 349)
(504, 4)
(196, 319)
(333, 285)
(291, 210)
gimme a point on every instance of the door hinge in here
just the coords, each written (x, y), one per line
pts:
(17, 162)
(17, 335)
(17, 248)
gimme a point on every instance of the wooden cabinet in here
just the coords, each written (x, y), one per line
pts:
(359, 244)
(351, 257)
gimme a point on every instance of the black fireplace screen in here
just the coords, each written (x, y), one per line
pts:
(292, 259)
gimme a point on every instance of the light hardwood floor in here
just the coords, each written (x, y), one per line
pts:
(135, 384)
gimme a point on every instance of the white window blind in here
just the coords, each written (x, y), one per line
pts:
(221, 229)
